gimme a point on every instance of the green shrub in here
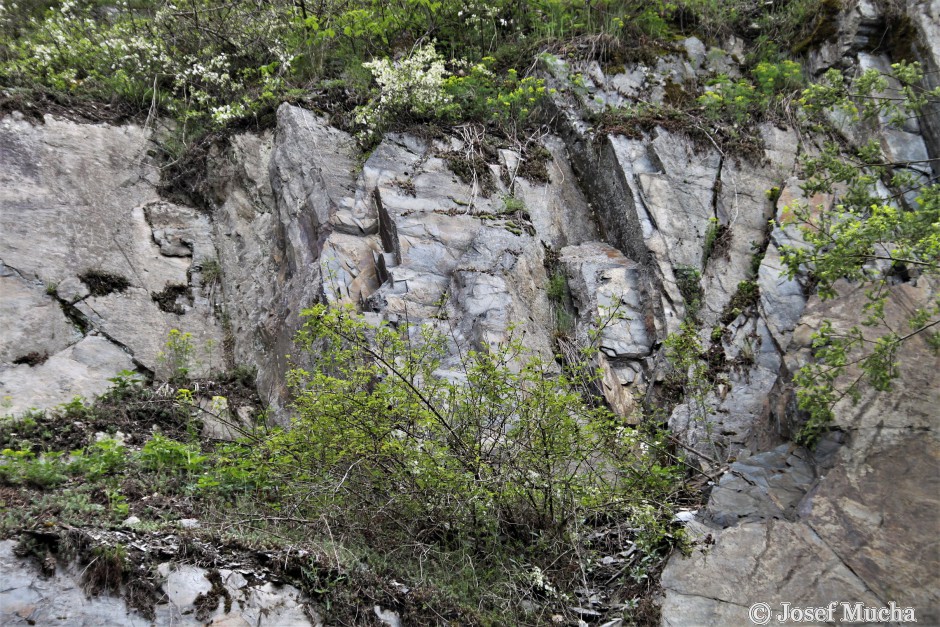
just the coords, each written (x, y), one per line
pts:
(235, 469)
(161, 454)
(24, 467)
(504, 449)
(104, 457)
(213, 61)
(421, 87)
(740, 101)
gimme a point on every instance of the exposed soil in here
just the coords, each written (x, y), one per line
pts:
(32, 359)
(471, 170)
(534, 166)
(37, 102)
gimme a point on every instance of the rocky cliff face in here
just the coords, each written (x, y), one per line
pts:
(96, 268)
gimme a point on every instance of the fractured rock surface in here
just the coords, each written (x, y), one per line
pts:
(96, 269)
(94, 257)
(856, 522)
(30, 598)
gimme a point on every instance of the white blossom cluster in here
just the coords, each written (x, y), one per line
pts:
(8, 11)
(116, 51)
(476, 12)
(479, 15)
(414, 84)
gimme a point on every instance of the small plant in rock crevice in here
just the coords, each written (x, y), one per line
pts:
(100, 283)
(695, 372)
(717, 241)
(167, 299)
(106, 570)
(559, 295)
(177, 357)
(689, 282)
(745, 297)
(211, 272)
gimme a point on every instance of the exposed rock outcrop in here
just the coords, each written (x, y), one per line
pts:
(643, 230)
(188, 596)
(808, 529)
(855, 523)
(92, 254)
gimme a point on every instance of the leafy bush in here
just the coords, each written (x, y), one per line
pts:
(421, 87)
(105, 457)
(740, 101)
(216, 61)
(161, 454)
(23, 466)
(504, 448)
(414, 85)
(234, 470)
(864, 229)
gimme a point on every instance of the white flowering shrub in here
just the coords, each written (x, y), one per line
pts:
(420, 86)
(214, 61)
(413, 85)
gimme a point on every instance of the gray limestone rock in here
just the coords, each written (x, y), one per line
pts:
(277, 202)
(763, 486)
(607, 286)
(179, 231)
(743, 207)
(558, 210)
(28, 598)
(610, 290)
(925, 18)
(82, 369)
(773, 562)
(80, 201)
(36, 326)
(679, 195)
(782, 299)
(861, 527)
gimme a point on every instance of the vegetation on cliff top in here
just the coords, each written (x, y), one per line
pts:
(514, 479)
(210, 63)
